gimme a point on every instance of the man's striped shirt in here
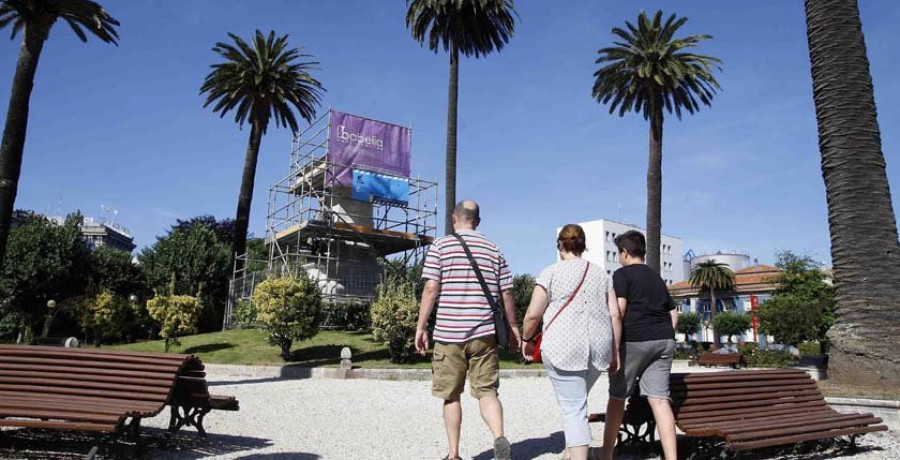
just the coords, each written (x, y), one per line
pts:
(463, 311)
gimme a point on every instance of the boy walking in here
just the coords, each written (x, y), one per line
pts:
(464, 334)
(649, 335)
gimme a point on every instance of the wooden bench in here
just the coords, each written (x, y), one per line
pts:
(99, 391)
(737, 411)
(734, 360)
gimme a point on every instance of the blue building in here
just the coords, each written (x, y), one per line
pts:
(753, 286)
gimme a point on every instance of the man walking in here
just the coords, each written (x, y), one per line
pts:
(464, 334)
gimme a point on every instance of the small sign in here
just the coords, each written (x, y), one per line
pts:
(371, 187)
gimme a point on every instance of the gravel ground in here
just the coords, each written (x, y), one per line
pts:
(315, 419)
(371, 419)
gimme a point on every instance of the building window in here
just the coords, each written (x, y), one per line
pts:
(615, 257)
(608, 237)
(609, 272)
(609, 256)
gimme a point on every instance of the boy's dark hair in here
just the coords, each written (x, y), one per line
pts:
(633, 242)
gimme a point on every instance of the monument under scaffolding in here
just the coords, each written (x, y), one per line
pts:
(347, 202)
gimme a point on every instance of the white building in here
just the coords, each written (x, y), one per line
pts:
(601, 248)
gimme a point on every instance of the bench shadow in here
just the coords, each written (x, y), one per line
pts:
(190, 446)
(208, 348)
(531, 448)
(282, 456)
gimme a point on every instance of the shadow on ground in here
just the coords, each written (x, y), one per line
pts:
(282, 456)
(34, 444)
(208, 348)
(531, 448)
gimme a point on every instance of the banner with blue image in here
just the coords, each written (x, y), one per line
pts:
(368, 186)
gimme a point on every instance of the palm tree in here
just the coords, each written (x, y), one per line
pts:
(713, 276)
(470, 27)
(650, 71)
(864, 246)
(35, 18)
(262, 81)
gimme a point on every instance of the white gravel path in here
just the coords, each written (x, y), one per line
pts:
(370, 419)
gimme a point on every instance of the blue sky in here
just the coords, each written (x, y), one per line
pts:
(125, 127)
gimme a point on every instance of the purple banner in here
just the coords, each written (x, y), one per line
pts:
(362, 143)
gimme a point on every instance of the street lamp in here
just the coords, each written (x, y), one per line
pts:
(51, 313)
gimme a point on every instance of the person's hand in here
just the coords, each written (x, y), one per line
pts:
(614, 367)
(515, 339)
(528, 351)
(421, 341)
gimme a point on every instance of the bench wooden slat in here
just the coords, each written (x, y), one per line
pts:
(56, 353)
(73, 426)
(801, 429)
(74, 416)
(681, 396)
(94, 364)
(740, 406)
(770, 397)
(861, 419)
(752, 385)
(60, 383)
(62, 368)
(161, 399)
(736, 426)
(764, 419)
(163, 382)
(777, 441)
(97, 352)
(96, 409)
(761, 412)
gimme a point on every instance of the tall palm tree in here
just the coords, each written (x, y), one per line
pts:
(864, 246)
(650, 71)
(263, 80)
(713, 276)
(470, 27)
(35, 18)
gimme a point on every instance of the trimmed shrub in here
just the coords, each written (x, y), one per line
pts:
(177, 315)
(688, 323)
(770, 358)
(106, 316)
(731, 323)
(352, 316)
(523, 287)
(245, 314)
(394, 315)
(791, 320)
(290, 309)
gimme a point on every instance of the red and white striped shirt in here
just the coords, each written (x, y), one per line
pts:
(463, 311)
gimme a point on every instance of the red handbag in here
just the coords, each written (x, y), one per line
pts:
(536, 354)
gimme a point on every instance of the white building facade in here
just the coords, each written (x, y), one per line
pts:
(601, 249)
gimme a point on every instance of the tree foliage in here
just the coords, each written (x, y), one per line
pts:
(108, 316)
(802, 308)
(289, 309)
(688, 323)
(731, 324)
(394, 316)
(199, 263)
(523, 287)
(473, 27)
(46, 261)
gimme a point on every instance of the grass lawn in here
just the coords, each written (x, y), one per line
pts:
(249, 346)
(831, 389)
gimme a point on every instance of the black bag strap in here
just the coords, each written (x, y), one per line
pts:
(487, 291)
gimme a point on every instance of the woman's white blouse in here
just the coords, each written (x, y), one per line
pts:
(582, 334)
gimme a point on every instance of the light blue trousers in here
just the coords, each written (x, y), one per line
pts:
(572, 389)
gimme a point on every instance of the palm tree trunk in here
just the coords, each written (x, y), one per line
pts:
(654, 186)
(450, 180)
(864, 246)
(13, 144)
(712, 316)
(242, 218)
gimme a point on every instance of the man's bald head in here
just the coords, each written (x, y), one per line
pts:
(466, 214)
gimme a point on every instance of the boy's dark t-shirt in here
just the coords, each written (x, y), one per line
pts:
(647, 314)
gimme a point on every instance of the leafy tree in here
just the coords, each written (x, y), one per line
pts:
(262, 81)
(106, 316)
(199, 263)
(648, 72)
(802, 307)
(289, 309)
(394, 316)
(35, 18)
(177, 315)
(864, 245)
(688, 323)
(224, 229)
(712, 276)
(47, 261)
(113, 270)
(523, 287)
(731, 323)
(470, 27)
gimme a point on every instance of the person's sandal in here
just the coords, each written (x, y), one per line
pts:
(502, 449)
(447, 457)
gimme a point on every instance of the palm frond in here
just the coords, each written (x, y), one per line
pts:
(648, 64)
(262, 80)
(474, 27)
(82, 16)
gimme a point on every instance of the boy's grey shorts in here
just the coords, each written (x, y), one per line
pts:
(651, 361)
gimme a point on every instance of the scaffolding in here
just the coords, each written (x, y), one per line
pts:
(316, 229)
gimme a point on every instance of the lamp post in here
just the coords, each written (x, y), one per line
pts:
(48, 321)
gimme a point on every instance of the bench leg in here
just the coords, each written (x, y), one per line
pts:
(188, 416)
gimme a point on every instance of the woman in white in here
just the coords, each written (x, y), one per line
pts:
(581, 328)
